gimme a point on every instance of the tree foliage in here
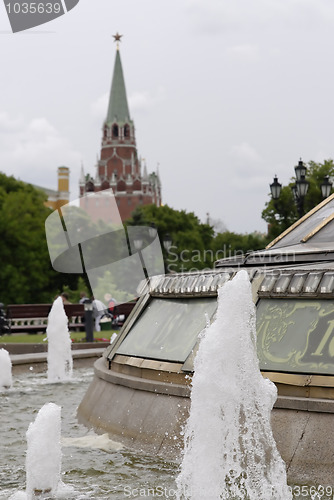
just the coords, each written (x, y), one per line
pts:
(281, 213)
(185, 230)
(230, 244)
(26, 275)
(195, 245)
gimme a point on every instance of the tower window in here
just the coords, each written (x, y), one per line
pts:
(89, 187)
(115, 131)
(126, 131)
(121, 185)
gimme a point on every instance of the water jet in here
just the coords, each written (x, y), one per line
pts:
(43, 459)
(229, 449)
(5, 370)
(59, 358)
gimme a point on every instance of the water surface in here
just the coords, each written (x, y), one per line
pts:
(96, 467)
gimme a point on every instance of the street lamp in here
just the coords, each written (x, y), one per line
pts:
(326, 187)
(167, 242)
(138, 243)
(275, 188)
(300, 170)
(88, 315)
(299, 189)
(152, 231)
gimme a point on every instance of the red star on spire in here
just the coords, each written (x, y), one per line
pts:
(117, 37)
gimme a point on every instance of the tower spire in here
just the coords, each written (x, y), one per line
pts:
(118, 109)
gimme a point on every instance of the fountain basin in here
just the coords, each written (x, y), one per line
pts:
(144, 412)
(144, 403)
(139, 407)
(30, 348)
(36, 362)
(141, 387)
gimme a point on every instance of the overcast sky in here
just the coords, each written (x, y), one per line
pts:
(223, 93)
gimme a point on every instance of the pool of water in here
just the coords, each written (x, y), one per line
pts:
(94, 466)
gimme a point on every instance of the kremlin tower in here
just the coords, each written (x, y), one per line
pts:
(119, 167)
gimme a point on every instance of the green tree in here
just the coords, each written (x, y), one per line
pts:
(230, 244)
(282, 213)
(315, 175)
(195, 246)
(26, 275)
(190, 237)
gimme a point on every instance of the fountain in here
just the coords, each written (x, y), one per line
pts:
(5, 370)
(44, 456)
(60, 362)
(92, 466)
(230, 452)
(43, 460)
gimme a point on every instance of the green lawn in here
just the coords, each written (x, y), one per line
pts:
(39, 337)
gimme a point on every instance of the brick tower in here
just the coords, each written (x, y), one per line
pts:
(119, 167)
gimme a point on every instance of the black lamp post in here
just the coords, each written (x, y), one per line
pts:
(167, 242)
(275, 188)
(152, 231)
(138, 243)
(300, 188)
(300, 170)
(88, 307)
(326, 187)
